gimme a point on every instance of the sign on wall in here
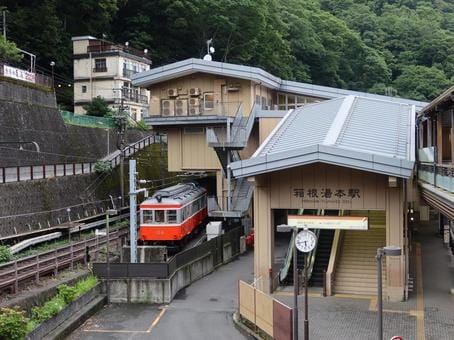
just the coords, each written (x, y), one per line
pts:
(17, 73)
(329, 222)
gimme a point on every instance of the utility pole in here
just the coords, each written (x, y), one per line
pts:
(121, 125)
(4, 22)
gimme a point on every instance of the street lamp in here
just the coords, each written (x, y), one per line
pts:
(109, 212)
(385, 251)
(52, 64)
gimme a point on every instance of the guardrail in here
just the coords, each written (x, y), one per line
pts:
(439, 175)
(33, 172)
(33, 267)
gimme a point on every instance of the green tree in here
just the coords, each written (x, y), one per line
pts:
(9, 51)
(98, 107)
(421, 82)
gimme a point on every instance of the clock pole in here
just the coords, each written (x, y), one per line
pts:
(306, 305)
(295, 286)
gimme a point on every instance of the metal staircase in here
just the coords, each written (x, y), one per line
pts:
(226, 142)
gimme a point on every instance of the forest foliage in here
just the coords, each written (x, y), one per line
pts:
(395, 47)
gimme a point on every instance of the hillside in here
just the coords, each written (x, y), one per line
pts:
(395, 47)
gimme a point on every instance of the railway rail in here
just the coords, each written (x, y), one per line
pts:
(14, 273)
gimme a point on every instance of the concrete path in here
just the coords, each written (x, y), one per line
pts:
(201, 311)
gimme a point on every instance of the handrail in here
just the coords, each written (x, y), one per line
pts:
(284, 270)
(333, 258)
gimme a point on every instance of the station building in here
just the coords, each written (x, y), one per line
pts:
(435, 144)
(292, 147)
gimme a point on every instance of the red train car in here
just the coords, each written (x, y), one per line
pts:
(171, 214)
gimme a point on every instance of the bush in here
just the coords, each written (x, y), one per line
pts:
(48, 310)
(5, 254)
(13, 324)
(85, 285)
(67, 293)
(141, 125)
(98, 107)
(103, 167)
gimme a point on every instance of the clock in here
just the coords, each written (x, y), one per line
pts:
(305, 241)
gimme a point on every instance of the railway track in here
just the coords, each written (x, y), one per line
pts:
(17, 272)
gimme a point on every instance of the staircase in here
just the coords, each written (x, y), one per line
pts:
(324, 243)
(356, 269)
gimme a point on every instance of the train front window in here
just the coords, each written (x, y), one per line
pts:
(171, 216)
(147, 216)
(159, 216)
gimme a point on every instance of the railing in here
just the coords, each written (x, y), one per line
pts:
(110, 47)
(133, 96)
(26, 76)
(164, 270)
(33, 267)
(439, 175)
(85, 120)
(33, 172)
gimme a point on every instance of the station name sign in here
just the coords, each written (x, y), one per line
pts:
(328, 222)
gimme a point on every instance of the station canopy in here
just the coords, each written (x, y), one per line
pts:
(355, 132)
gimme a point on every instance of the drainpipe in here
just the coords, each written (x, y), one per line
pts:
(229, 184)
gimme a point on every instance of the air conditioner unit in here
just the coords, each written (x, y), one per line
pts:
(172, 93)
(181, 107)
(195, 91)
(168, 108)
(234, 87)
(194, 102)
(194, 110)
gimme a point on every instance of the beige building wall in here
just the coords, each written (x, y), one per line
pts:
(266, 125)
(304, 187)
(188, 150)
(243, 92)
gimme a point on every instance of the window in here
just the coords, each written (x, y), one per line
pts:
(208, 101)
(84, 88)
(100, 65)
(159, 216)
(147, 216)
(171, 216)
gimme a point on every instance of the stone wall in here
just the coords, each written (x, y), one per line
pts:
(40, 204)
(28, 114)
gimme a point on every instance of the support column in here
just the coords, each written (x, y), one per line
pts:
(452, 136)
(395, 265)
(429, 132)
(439, 138)
(263, 234)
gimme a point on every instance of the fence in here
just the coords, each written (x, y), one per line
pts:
(32, 172)
(216, 247)
(264, 313)
(84, 120)
(26, 76)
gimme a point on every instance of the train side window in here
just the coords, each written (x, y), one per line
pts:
(147, 216)
(171, 216)
(159, 216)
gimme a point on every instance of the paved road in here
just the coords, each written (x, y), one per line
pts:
(201, 311)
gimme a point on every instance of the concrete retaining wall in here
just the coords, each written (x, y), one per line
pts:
(28, 114)
(141, 290)
(49, 325)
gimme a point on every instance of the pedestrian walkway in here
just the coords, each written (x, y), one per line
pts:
(427, 314)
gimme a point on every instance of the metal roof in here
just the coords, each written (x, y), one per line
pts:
(190, 66)
(359, 132)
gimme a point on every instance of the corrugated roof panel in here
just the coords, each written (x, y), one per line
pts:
(305, 126)
(377, 126)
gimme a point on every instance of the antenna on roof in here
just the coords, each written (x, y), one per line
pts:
(210, 50)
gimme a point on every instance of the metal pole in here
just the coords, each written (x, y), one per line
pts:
(295, 287)
(306, 304)
(4, 23)
(108, 257)
(133, 209)
(229, 183)
(380, 293)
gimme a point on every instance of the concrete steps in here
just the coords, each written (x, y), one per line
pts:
(356, 269)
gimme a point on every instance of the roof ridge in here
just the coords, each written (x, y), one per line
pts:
(339, 121)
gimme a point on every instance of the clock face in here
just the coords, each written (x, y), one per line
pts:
(305, 241)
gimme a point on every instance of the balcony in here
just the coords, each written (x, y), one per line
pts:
(127, 73)
(132, 95)
(99, 46)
